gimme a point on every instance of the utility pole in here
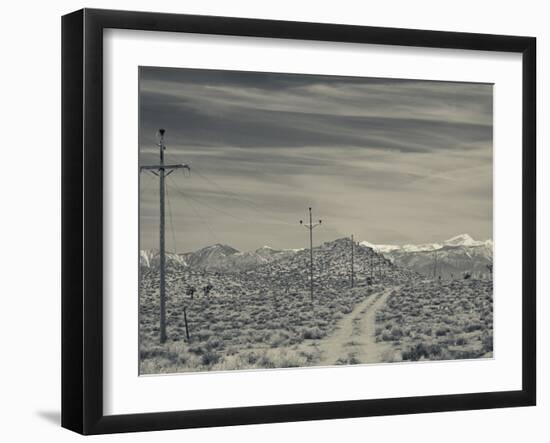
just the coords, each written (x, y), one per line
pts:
(162, 171)
(435, 265)
(311, 227)
(352, 267)
(371, 262)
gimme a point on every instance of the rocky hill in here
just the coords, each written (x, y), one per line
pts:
(210, 258)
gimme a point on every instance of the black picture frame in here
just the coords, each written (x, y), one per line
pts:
(82, 218)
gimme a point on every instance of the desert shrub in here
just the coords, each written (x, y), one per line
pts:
(312, 333)
(214, 343)
(460, 341)
(439, 332)
(322, 323)
(218, 327)
(346, 310)
(396, 333)
(273, 324)
(210, 358)
(390, 356)
(250, 357)
(229, 363)
(227, 336)
(310, 356)
(153, 353)
(349, 360)
(277, 339)
(258, 337)
(294, 340)
(203, 334)
(156, 366)
(434, 350)
(416, 352)
(197, 348)
(466, 354)
(281, 358)
(291, 360)
(473, 327)
(487, 341)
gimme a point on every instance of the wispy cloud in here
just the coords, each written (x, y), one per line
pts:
(388, 160)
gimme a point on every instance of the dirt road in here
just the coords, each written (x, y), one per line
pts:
(353, 341)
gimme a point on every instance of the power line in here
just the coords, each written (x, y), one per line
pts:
(202, 219)
(248, 202)
(352, 265)
(221, 211)
(171, 222)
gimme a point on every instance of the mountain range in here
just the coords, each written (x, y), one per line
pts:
(450, 258)
(217, 258)
(231, 272)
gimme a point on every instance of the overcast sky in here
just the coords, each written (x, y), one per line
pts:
(391, 161)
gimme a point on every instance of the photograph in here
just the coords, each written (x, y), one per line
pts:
(291, 220)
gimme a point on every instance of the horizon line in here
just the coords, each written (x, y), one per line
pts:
(442, 243)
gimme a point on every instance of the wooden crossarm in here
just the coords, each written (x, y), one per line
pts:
(165, 167)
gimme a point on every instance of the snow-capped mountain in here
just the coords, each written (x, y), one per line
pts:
(464, 240)
(452, 257)
(242, 261)
(384, 249)
(150, 258)
(218, 257)
(379, 248)
(458, 240)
